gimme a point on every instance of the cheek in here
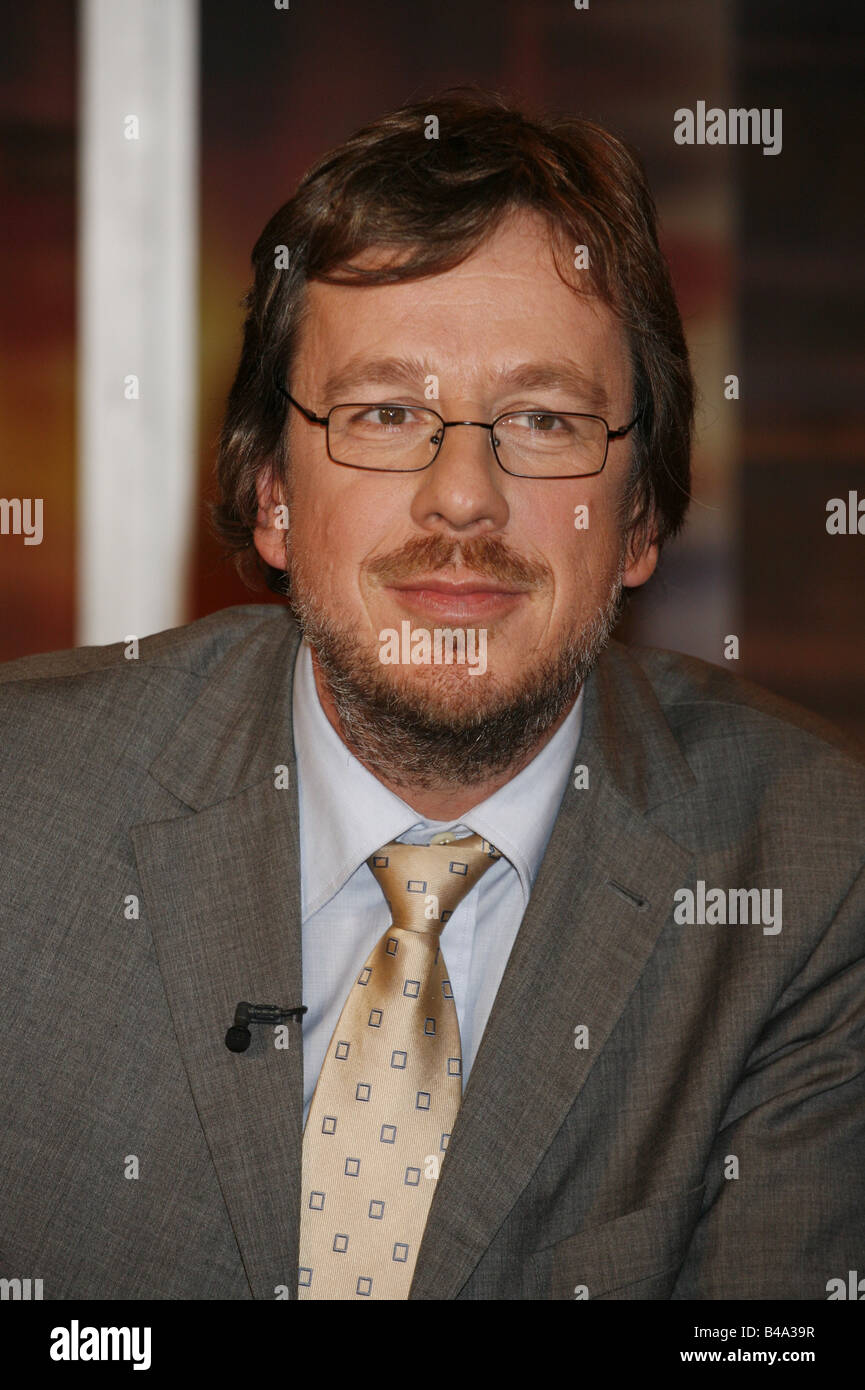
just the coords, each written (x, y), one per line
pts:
(318, 515)
(578, 539)
(337, 526)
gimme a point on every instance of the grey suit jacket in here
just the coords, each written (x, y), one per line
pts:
(658, 1110)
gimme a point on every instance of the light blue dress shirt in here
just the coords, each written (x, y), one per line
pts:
(346, 814)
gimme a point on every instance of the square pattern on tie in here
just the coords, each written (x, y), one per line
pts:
(389, 1090)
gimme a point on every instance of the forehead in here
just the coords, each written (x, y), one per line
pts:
(501, 310)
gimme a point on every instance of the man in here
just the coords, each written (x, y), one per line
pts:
(578, 930)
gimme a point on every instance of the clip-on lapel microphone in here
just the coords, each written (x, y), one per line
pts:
(238, 1037)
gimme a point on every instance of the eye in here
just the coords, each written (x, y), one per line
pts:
(389, 415)
(384, 418)
(537, 421)
(370, 419)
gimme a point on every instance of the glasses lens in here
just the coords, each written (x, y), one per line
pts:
(535, 443)
(383, 436)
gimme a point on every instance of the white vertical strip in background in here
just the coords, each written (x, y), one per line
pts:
(137, 313)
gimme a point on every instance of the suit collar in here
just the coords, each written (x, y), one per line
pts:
(632, 743)
(239, 728)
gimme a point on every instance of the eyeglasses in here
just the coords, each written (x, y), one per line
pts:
(392, 438)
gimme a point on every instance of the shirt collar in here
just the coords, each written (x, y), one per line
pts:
(346, 813)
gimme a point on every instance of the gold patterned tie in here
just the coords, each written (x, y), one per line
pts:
(390, 1086)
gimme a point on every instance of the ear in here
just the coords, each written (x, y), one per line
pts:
(641, 557)
(272, 520)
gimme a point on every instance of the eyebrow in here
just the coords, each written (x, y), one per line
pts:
(558, 376)
(411, 372)
(389, 371)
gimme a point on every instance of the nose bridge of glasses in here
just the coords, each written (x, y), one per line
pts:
(444, 425)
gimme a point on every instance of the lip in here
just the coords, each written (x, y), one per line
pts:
(458, 598)
(459, 586)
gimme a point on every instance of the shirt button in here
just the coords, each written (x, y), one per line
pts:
(443, 837)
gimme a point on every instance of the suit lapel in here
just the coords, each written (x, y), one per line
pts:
(603, 893)
(221, 894)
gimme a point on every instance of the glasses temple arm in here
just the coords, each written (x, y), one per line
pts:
(310, 414)
(619, 434)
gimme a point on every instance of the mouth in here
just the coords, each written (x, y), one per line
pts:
(460, 599)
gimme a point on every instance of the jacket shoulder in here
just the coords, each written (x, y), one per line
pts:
(195, 648)
(704, 703)
(94, 705)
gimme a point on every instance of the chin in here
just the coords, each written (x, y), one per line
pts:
(442, 692)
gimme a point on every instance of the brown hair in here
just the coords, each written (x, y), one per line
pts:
(432, 202)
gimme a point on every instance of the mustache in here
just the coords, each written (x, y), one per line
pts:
(486, 556)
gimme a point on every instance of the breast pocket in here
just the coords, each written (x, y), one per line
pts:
(635, 1256)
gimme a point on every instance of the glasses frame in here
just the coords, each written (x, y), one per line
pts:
(324, 422)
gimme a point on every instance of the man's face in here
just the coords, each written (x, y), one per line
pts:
(462, 543)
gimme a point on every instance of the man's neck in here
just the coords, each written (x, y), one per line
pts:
(446, 802)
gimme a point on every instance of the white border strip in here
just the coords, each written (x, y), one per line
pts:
(137, 314)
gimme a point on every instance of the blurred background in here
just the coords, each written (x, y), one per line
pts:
(146, 142)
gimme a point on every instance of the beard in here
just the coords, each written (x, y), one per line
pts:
(452, 729)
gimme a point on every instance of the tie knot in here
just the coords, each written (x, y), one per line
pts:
(424, 884)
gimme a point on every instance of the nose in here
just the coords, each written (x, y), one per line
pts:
(461, 492)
